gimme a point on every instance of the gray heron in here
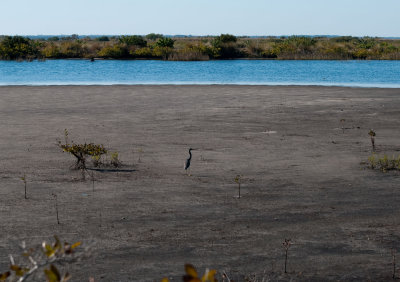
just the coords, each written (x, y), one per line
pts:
(187, 163)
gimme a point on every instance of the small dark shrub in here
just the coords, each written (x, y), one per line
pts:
(226, 38)
(116, 51)
(133, 40)
(17, 47)
(82, 151)
(165, 42)
(103, 38)
(54, 38)
(154, 36)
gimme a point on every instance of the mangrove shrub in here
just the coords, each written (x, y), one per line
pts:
(17, 47)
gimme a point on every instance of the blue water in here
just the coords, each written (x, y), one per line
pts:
(258, 72)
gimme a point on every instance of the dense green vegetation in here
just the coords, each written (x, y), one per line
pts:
(225, 46)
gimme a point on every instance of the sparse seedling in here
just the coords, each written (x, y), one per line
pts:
(286, 245)
(23, 178)
(372, 134)
(114, 159)
(342, 123)
(97, 160)
(372, 161)
(238, 180)
(140, 151)
(55, 197)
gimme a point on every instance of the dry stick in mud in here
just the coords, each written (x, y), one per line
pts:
(394, 263)
(55, 197)
(91, 177)
(23, 178)
(286, 244)
(93, 180)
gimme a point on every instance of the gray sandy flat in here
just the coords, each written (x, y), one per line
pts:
(303, 179)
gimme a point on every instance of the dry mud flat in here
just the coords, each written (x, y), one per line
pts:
(302, 179)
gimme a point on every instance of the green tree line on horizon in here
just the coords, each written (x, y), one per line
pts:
(224, 46)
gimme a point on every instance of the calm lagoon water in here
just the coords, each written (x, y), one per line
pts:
(257, 72)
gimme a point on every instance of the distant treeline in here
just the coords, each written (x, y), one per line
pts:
(225, 46)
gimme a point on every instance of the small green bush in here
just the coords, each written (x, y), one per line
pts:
(227, 38)
(51, 51)
(82, 151)
(54, 38)
(116, 51)
(162, 52)
(145, 52)
(294, 45)
(342, 39)
(154, 36)
(361, 54)
(133, 40)
(366, 43)
(103, 38)
(192, 52)
(165, 42)
(384, 163)
(72, 49)
(114, 159)
(225, 47)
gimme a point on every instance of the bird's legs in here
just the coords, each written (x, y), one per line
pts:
(188, 172)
